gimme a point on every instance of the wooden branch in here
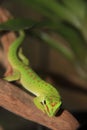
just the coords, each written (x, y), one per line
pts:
(19, 102)
(6, 40)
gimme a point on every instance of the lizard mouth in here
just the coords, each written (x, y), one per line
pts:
(47, 110)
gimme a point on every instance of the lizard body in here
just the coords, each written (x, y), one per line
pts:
(47, 97)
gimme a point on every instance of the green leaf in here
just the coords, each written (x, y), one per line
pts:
(69, 33)
(78, 7)
(53, 10)
(17, 24)
(75, 40)
(56, 45)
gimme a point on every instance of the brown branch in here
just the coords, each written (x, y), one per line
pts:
(17, 101)
(6, 40)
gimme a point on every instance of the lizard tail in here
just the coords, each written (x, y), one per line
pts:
(12, 53)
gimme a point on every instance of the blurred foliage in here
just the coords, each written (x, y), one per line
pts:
(67, 18)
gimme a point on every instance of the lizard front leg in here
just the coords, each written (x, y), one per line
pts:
(13, 77)
(22, 57)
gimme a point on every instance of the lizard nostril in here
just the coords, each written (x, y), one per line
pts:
(53, 104)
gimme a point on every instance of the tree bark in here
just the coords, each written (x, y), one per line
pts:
(21, 103)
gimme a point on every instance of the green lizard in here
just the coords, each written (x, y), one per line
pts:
(47, 98)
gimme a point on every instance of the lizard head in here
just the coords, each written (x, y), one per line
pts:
(51, 105)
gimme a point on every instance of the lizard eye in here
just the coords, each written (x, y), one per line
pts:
(43, 102)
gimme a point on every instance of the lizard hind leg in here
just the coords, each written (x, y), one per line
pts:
(13, 77)
(22, 57)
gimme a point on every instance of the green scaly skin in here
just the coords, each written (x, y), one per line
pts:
(47, 97)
